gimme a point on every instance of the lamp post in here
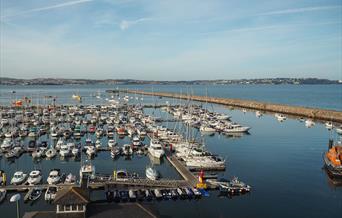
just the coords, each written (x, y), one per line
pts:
(16, 198)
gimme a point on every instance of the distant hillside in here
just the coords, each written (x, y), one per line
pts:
(59, 81)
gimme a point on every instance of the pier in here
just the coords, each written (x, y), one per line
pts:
(312, 113)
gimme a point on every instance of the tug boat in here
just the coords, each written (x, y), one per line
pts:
(333, 160)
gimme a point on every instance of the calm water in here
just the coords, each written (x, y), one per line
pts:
(320, 96)
(281, 161)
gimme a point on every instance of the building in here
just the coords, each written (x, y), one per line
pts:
(71, 202)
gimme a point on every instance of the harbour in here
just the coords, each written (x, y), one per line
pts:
(165, 115)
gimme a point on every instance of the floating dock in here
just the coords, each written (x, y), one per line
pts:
(312, 113)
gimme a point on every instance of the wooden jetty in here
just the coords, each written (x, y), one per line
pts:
(312, 113)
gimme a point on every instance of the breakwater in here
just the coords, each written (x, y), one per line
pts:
(313, 113)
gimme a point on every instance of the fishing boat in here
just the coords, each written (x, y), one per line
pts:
(151, 173)
(54, 177)
(50, 193)
(3, 193)
(35, 194)
(35, 177)
(333, 160)
(18, 178)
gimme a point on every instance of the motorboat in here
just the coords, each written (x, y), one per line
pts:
(35, 194)
(54, 177)
(258, 114)
(155, 149)
(309, 123)
(35, 177)
(64, 151)
(236, 128)
(14, 152)
(151, 173)
(280, 117)
(18, 178)
(132, 195)
(98, 144)
(91, 151)
(59, 144)
(38, 153)
(51, 153)
(157, 193)
(127, 149)
(114, 152)
(75, 151)
(6, 144)
(329, 125)
(234, 186)
(3, 193)
(136, 140)
(339, 130)
(50, 193)
(70, 179)
(87, 169)
(111, 143)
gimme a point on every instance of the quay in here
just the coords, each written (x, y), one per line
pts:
(313, 113)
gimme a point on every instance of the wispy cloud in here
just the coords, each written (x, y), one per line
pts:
(46, 8)
(302, 10)
(125, 24)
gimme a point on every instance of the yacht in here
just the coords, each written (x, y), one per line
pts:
(35, 177)
(87, 169)
(155, 149)
(18, 178)
(151, 173)
(205, 128)
(339, 130)
(54, 176)
(98, 144)
(38, 153)
(6, 144)
(75, 151)
(258, 114)
(234, 128)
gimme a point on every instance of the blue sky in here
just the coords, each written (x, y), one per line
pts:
(171, 40)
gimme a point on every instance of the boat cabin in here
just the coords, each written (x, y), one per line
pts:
(71, 202)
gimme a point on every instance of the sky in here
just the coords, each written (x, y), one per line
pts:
(170, 39)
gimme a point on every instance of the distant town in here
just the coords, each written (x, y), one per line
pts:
(61, 81)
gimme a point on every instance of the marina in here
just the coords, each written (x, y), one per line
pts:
(124, 131)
